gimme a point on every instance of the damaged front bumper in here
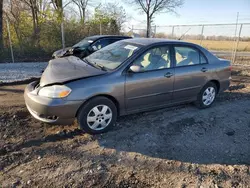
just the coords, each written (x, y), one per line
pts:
(48, 110)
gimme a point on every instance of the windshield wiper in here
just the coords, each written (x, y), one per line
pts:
(86, 61)
(94, 64)
(100, 66)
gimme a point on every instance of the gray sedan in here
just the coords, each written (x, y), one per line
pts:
(126, 77)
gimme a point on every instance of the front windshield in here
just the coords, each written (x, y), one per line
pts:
(83, 43)
(113, 55)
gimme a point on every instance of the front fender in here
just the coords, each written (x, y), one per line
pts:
(83, 90)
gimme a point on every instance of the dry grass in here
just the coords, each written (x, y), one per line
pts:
(245, 73)
(222, 45)
(238, 71)
(239, 60)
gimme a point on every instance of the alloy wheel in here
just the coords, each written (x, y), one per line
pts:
(99, 117)
(208, 96)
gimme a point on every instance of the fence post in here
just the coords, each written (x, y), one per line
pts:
(63, 38)
(173, 32)
(202, 30)
(89, 30)
(235, 34)
(155, 31)
(11, 50)
(237, 44)
(62, 26)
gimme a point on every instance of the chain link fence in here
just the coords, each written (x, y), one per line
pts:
(51, 37)
(229, 41)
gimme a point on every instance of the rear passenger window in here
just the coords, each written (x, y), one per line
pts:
(203, 59)
(186, 56)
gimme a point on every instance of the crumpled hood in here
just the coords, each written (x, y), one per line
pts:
(61, 52)
(66, 69)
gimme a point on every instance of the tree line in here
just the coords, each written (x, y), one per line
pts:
(35, 25)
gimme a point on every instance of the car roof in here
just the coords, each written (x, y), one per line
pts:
(148, 41)
(96, 37)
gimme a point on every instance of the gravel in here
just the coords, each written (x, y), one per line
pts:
(180, 146)
(12, 72)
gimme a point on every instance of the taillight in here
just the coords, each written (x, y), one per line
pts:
(230, 68)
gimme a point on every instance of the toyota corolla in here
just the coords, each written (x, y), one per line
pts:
(126, 77)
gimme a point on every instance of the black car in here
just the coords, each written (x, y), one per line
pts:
(88, 45)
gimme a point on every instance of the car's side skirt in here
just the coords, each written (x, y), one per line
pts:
(160, 106)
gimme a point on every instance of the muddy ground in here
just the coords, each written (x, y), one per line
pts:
(173, 147)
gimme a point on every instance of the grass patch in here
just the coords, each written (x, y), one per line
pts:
(223, 45)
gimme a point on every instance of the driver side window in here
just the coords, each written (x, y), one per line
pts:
(154, 59)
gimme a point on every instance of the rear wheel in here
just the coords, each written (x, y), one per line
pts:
(207, 95)
(97, 116)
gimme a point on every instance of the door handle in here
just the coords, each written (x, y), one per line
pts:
(168, 74)
(204, 69)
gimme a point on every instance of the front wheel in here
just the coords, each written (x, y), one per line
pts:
(207, 95)
(97, 116)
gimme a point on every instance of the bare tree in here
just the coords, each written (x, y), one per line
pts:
(1, 25)
(117, 13)
(82, 6)
(34, 7)
(59, 6)
(152, 7)
(12, 13)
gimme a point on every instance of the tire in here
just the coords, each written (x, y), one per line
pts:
(206, 103)
(97, 116)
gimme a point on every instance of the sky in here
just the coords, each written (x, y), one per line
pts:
(196, 12)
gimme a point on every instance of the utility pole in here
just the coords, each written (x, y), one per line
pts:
(237, 44)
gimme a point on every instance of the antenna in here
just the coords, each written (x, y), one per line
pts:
(184, 34)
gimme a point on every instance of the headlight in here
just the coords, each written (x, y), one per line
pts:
(55, 91)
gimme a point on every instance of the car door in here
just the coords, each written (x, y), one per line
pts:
(191, 72)
(152, 85)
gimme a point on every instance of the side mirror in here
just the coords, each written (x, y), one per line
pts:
(135, 68)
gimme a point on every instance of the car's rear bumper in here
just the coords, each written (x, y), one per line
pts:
(224, 85)
(52, 111)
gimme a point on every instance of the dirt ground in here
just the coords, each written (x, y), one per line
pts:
(173, 147)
